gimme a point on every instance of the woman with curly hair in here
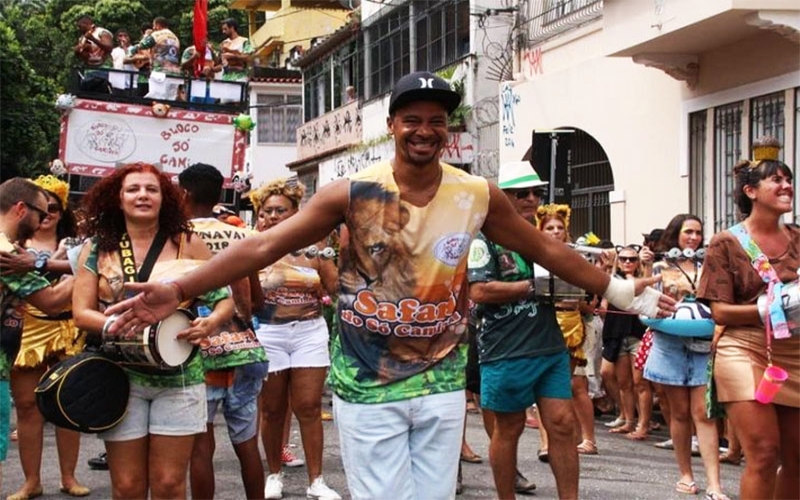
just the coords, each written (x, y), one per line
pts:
(553, 220)
(295, 335)
(755, 334)
(149, 450)
(45, 340)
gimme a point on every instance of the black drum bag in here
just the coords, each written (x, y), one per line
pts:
(85, 393)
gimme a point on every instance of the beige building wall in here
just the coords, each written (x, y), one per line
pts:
(632, 111)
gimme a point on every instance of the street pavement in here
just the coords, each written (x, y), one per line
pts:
(624, 469)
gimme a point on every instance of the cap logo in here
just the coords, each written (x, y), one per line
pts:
(426, 83)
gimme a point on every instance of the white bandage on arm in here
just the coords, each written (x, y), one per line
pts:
(619, 292)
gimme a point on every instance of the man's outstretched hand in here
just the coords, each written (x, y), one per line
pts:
(666, 304)
(153, 302)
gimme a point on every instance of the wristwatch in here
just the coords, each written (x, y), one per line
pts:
(40, 264)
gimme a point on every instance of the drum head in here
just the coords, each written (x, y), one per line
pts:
(174, 351)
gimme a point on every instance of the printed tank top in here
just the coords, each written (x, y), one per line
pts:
(402, 287)
(291, 293)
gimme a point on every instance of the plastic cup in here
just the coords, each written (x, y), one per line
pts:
(771, 382)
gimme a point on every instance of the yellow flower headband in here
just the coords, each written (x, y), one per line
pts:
(561, 211)
(56, 186)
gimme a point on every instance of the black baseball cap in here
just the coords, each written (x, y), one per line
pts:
(423, 86)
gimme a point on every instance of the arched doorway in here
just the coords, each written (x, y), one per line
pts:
(584, 178)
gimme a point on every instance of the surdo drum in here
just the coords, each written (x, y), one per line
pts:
(157, 346)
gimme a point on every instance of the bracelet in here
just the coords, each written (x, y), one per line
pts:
(179, 288)
(110, 321)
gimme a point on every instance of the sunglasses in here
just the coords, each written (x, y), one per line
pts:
(628, 259)
(521, 194)
(53, 208)
(42, 213)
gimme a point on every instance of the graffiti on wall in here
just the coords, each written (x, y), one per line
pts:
(532, 62)
(459, 149)
(340, 127)
(509, 100)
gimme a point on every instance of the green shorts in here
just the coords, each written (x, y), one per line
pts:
(512, 385)
(5, 418)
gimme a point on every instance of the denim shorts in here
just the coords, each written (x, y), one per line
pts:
(512, 385)
(671, 362)
(403, 450)
(239, 401)
(298, 344)
(170, 411)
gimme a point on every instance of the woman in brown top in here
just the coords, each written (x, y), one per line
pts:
(770, 433)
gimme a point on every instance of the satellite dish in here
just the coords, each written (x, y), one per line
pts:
(350, 4)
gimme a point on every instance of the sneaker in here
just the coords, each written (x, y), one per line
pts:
(664, 445)
(617, 422)
(274, 487)
(321, 491)
(99, 462)
(522, 485)
(288, 459)
(695, 447)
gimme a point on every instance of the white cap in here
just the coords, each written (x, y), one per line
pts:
(518, 174)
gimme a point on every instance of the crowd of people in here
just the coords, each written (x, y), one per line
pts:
(155, 67)
(442, 280)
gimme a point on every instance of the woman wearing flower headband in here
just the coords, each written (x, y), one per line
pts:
(755, 304)
(553, 220)
(295, 335)
(679, 363)
(622, 337)
(45, 340)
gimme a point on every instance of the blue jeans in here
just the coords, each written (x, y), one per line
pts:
(404, 450)
(239, 401)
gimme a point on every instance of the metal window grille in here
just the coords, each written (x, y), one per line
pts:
(592, 180)
(767, 118)
(727, 152)
(697, 164)
(558, 9)
(388, 51)
(278, 117)
(442, 33)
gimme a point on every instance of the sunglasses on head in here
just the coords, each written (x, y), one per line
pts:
(523, 193)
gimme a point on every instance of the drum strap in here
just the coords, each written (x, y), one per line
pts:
(129, 263)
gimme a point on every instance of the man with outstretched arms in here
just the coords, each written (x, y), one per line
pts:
(398, 364)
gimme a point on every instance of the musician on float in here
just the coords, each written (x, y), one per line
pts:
(739, 298)
(45, 340)
(553, 220)
(128, 213)
(295, 335)
(679, 362)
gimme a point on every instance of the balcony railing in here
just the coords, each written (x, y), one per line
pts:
(546, 19)
(332, 131)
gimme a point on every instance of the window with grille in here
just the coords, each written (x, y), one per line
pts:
(442, 33)
(388, 51)
(279, 115)
(767, 118)
(557, 9)
(727, 152)
(697, 164)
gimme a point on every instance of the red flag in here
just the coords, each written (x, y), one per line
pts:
(200, 32)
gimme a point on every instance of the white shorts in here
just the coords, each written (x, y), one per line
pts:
(299, 344)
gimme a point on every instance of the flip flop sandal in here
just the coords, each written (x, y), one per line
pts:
(686, 488)
(543, 456)
(725, 458)
(637, 435)
(587, 448)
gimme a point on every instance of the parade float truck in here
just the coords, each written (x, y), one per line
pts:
(98, 136)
